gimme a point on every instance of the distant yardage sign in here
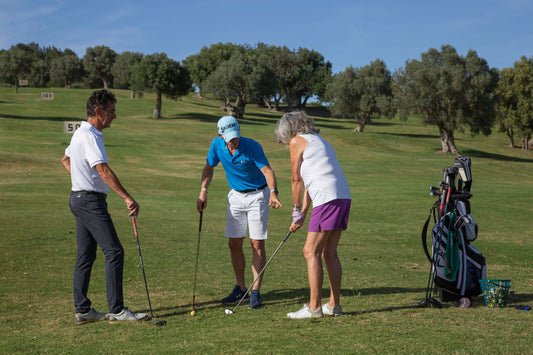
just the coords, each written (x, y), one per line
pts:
(70, 126)
(23, 82)
(47, 95)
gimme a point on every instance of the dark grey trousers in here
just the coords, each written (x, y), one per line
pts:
(94, 227)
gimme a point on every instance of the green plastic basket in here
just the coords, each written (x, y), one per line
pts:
(495, 292)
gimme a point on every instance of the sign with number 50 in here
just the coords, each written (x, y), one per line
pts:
(70, 126)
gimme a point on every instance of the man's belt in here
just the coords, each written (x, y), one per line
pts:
(252, 190)
(90, 193)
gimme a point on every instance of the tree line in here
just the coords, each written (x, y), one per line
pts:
(453, 92)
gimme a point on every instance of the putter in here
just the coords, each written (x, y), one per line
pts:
(161, 322)
(196, 268)
(229, 311)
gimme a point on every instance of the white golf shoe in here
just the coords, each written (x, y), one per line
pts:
(328, 311)
(91, 316)
(306, 312)
(126, 316)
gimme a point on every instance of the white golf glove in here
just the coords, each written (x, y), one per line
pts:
(297, 217)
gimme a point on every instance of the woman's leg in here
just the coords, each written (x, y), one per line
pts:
(333, 265)
(315, 243)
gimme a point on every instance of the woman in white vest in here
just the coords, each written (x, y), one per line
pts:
(317, 178)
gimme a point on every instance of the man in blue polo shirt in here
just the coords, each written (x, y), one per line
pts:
(253, 189)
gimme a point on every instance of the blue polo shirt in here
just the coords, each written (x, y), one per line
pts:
(243, 168)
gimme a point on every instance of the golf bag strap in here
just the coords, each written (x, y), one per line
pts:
(432, 211)
(424, 238)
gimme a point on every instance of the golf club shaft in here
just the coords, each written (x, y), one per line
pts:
(142, 266)
(196, 267)
(262, 270)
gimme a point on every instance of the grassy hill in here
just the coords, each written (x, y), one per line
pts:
(389, 168)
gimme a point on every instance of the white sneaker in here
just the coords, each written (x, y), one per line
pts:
(126, 316)
(91, 316)
(328, 311)
(306, 312)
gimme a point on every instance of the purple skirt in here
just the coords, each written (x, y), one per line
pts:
(330, 216)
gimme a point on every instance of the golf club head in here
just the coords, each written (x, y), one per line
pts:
(159, 323)
(430, 303)
(449, 174)
(434, 191)
(464, 166)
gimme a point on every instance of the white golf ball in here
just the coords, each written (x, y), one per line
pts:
(228, 311)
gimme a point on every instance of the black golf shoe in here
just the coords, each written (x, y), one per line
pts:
(255, 300)
(235, 296)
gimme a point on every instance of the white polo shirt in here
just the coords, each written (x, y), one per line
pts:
(85, 151)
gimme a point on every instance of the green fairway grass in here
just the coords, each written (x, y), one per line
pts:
(389, 168)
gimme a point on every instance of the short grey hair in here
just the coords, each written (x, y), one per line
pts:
(293, 124)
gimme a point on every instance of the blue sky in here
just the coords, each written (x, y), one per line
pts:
(344, 32)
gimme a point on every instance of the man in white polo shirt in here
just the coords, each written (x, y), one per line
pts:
(86, 161)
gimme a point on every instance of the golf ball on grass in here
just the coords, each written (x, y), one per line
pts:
(228, 311)
(193, 313)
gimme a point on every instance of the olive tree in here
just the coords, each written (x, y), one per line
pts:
(234, 83)
(123, 68)
(361, 93)
(515, 101)
(203, 64)
(164, 76)
(66, 70)
(449, 91)
(16, 64)
(99, 62)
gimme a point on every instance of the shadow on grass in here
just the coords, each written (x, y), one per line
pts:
(518, 299)
(283, 296)
(57, 119)
(185, 309)
(295, 293)
(192, 116)
(408, 135)
(301, 296)
(214, 119)
(480, 154)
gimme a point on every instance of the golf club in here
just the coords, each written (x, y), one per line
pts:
(161, 322)
(229, 311)
(193, 312)
(434, 191)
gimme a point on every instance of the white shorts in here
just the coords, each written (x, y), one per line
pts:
(248, 210)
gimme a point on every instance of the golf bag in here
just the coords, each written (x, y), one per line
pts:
(457, 266)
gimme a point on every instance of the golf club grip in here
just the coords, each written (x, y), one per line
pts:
(200, 223)
(134, 227)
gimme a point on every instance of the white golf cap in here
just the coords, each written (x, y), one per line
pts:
(228, 127)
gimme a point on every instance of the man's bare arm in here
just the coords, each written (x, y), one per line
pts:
(66, 162)
(111, 180)
(207, 176)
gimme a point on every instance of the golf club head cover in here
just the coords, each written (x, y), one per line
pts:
(298, 217)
